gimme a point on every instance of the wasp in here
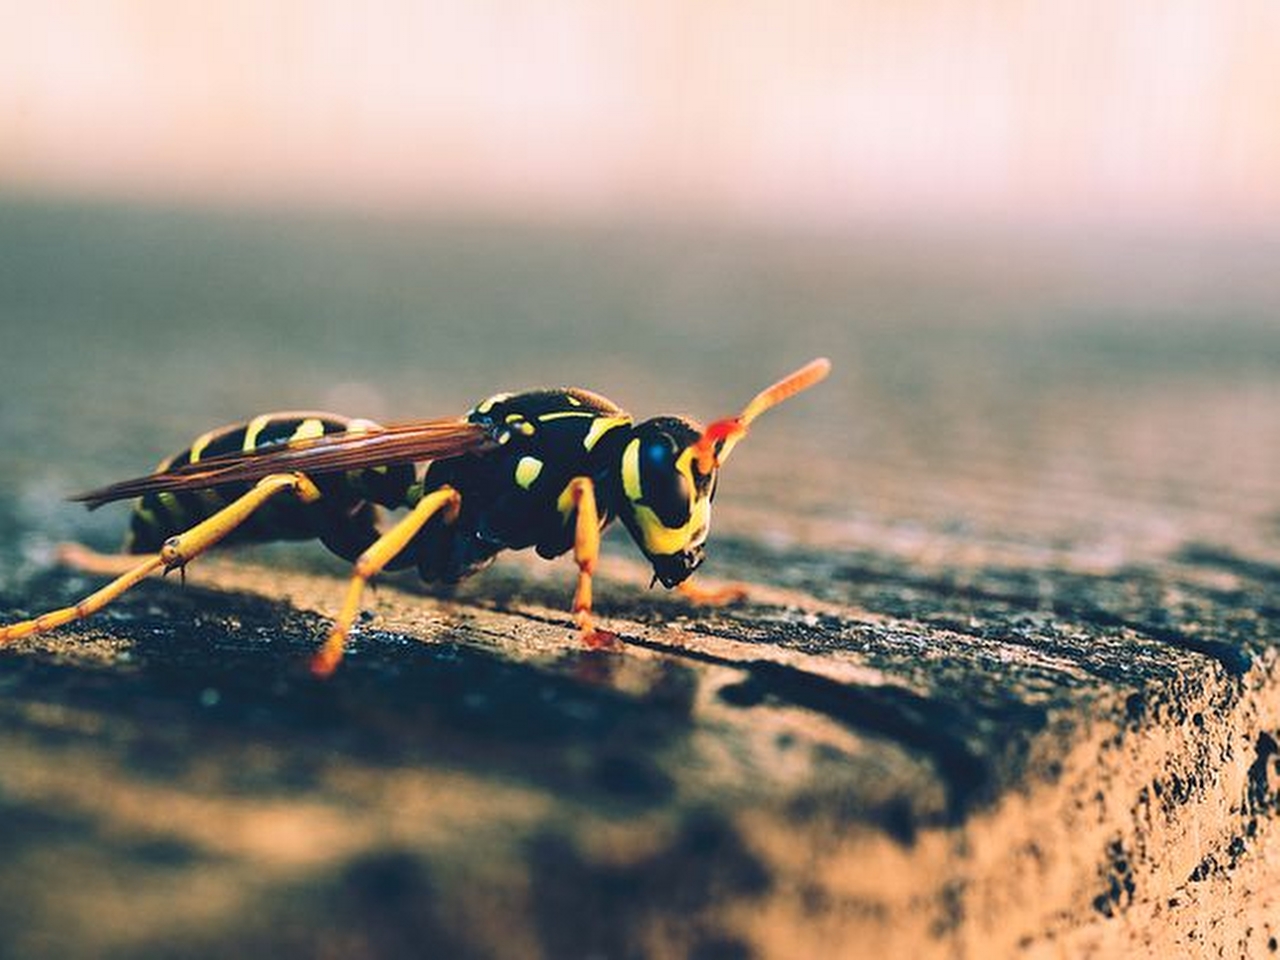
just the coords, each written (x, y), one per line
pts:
(547, 469)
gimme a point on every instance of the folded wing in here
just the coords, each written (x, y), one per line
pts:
(409, 442)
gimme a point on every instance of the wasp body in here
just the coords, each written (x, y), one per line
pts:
(547, 469)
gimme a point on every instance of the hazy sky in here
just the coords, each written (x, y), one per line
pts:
(1162, 112)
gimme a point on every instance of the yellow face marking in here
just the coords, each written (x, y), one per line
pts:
(202, 441)
(527, 471)
(311, 427)
(659, 539)
(602, 426)
(256, 426)
(631, 470)
(563, 414)
(684, 463)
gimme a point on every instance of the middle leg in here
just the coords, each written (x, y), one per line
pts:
(385, 549)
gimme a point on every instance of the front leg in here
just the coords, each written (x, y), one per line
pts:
(712, 596)
(581, 493)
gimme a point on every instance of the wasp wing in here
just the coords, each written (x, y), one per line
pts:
(410, 442)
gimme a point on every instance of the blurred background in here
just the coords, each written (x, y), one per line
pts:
(807, 115)
(1039, 242)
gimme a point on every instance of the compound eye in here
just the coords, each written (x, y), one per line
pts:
(660, 454)
(666, 489)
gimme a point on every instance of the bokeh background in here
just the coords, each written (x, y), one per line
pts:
(1040, 242)
(804, 114)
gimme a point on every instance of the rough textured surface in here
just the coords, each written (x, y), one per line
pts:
(1006, 684)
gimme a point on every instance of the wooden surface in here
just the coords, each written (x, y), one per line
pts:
(1006, 683)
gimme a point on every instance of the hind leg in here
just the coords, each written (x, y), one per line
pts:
(176, 552)
(87, 560)
(348, 538)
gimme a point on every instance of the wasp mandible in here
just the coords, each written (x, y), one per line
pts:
(547, 469)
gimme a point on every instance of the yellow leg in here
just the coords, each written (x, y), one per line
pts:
(185, 547)
(176, 551)
(385, 549)
(86, 607)
(86, 560)
(712, 597)
(586, 551)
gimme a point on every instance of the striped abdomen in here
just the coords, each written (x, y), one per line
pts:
(344, 518)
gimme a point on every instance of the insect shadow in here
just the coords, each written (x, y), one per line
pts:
(204, 672)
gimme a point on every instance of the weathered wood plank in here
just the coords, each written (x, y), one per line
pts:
(909, 763)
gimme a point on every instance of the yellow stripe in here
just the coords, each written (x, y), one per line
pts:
(202, 441)
(562, 414)
(488, 405)
(602, 426)
(256, 426)
(311, 427)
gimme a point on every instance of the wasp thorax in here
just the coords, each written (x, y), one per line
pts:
(667, 502)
